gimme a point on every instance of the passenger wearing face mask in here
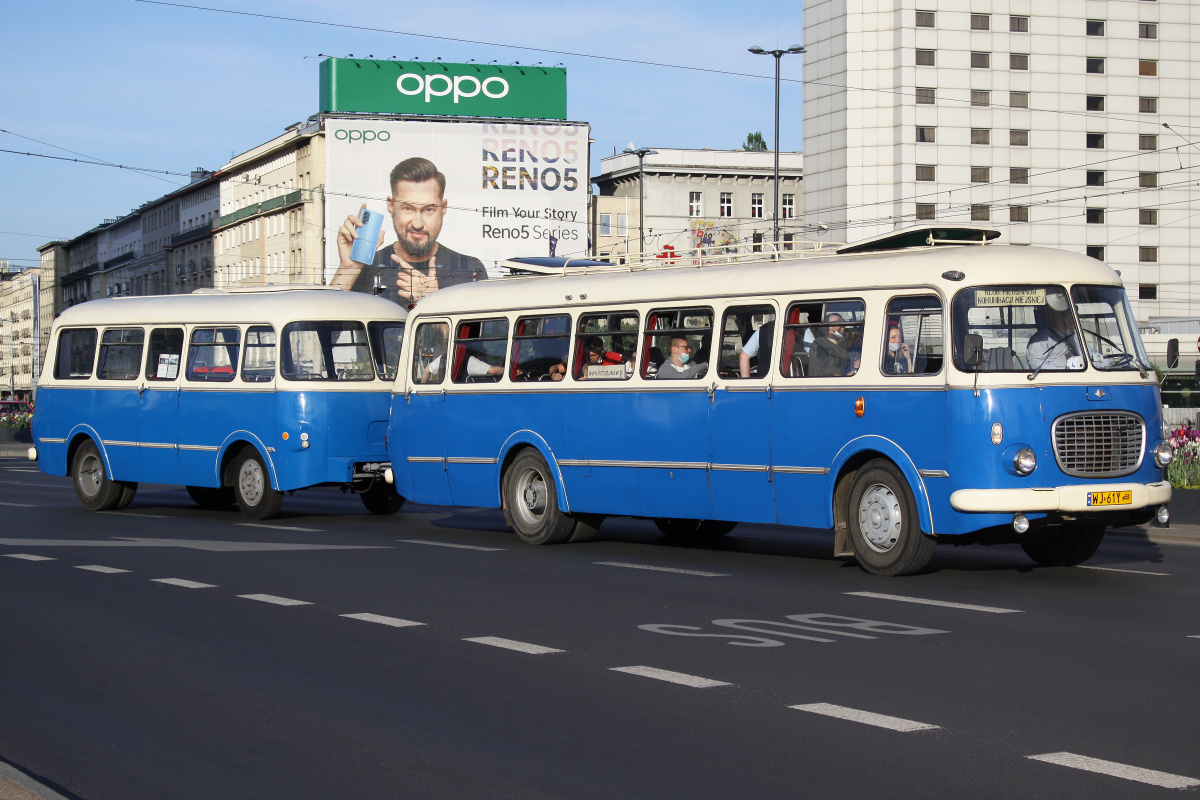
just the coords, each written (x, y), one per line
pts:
(680, 365)
(898, 359)
(830, 355)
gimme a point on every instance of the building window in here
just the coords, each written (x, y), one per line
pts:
(1095, 177)
(1147, 141)
(756, 205)
(787, 240)
(1148, 291)
(1018, 138)
(925, 211)
(979, 98)
(622, 225)
(1148, 255)
(1147, 180)
(694, 209)
(1147, 216)
(1095, 102)
(925, 58)
(926, 97)
(1018, 175)
(1018, 24)
(926, 172)
(926, 19)
(788, 206)
(981, 22)
(981, 60)
(1094, 216)
(1147, 68)
(1018, 99)
(981, 213)
(1018, 213)
(1094, 251)
(1018, 61)
(1095, 27)
(1095, 141)
(925, 135)
(726, 209)
(1147, 30)
(981, 136)
(1095, 66)
(606, 224)
(1148, 105)
(981, 174)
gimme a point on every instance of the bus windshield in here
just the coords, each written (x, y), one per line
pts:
(1024, 329)
(1108, 327)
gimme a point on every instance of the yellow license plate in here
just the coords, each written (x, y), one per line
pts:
(1109, 498)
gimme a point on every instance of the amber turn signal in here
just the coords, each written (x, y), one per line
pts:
(859, 407)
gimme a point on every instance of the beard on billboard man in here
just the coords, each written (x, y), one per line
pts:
(417, 263)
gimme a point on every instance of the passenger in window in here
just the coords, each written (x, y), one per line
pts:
(1055, 345)
(829, 355)
(679, 365)
(898, 359)
(759, 344)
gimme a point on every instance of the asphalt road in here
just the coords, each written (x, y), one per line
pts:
(170, 652)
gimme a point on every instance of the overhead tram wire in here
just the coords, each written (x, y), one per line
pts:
(85, 155)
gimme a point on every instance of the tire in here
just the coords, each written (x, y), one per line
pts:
(694, 528)
(128, 490)
(252, 486)
(1065, 546)
(885, 531)
(209, 497)
(532, 501)
(382, 498)
(586, 527)
(95, 490)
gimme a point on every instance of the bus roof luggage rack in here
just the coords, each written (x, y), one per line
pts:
(923, 236)
(270, 287)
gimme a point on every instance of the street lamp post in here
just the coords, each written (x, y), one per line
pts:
(641, 153)
(758, 51)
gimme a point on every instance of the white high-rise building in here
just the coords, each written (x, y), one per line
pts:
(1064, 123)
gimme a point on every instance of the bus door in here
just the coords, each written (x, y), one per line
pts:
(159, 391)
(740, 418)
(422, 415)
(115, 409)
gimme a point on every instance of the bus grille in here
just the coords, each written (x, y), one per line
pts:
(1099, 445)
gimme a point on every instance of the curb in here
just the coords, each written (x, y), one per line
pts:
(16, 785)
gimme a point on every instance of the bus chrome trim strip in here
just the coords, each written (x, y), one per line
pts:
(734, 388)
(740, 467)
(801, 470)
(109, 443)
(48, 440)
(469, 460)
(425, 459)
(157, 445)
(933, 473)
(205, 447)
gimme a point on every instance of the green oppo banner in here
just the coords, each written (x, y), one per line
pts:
(452, 90)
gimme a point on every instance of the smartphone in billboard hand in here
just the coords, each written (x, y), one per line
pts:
(363, 250)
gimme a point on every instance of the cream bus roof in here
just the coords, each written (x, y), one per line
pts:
(990, 264)
(274, 305)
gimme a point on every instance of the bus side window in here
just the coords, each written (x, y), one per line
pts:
(120, 354)
(387, 338)
(258, 362)
(213, 354)
(164, 353)
(686, 334)
(429, 353)
(822, 339)
(326, 351)
(606, 346)
(912, 342)
(540, 347)
(76, 354)
(747, 335)
(479, 347)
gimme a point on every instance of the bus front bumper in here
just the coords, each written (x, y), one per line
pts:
(1058, 498)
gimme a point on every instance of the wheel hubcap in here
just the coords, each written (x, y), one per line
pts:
(879, 518)
(532, 496)
(251, 483)
(91, 475)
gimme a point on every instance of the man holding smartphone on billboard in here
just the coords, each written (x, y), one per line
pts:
(417, 264)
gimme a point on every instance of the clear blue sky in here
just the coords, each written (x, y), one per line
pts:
(174, 89)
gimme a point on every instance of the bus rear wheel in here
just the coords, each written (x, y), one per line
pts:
(885, 532)
(95, 490)
(532, 501)
(1066, 546)
(252, 486)
(694, 528)
(382, 498)
(210, 497)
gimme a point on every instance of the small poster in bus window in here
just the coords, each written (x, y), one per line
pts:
(605, 372)
(168, 366)
(1010, 297)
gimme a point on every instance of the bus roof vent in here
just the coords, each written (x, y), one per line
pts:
(551, 266)
(923, 236)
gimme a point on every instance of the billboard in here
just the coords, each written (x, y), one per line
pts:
(441, 89)
(465, 196)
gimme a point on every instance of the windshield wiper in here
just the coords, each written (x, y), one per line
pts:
(1046, 356)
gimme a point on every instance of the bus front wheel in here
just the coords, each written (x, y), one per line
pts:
(885, 532)
(1066, 546)
(95, 490)
(252, 486)
(382, 498)
(532, 501)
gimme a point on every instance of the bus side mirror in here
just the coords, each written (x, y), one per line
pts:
(1172, 353)
(972, 350)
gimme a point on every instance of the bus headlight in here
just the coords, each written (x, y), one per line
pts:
(1163, 453)
(1025, 461)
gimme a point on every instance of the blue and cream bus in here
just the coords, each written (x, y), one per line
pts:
(900, 392)
(239, 395)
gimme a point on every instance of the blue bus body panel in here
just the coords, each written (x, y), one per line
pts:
(669, 427)
(206, 419)
(343, 428)
(160, 432)
(424, 414)
(597, 430)
(740, 435)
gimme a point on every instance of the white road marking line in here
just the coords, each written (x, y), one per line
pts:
(28, 557)
(98, 568)
(450, 544)
(183, 583)
(382, 620)
(671, 677)
(19, 505)
(136, 514)
(1112, 768)
(279, 527)
(1130, 571)
(664, 569)
(866, 717)
(1194, 636)
(923, 601)
(279, 601)
(509, 644)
